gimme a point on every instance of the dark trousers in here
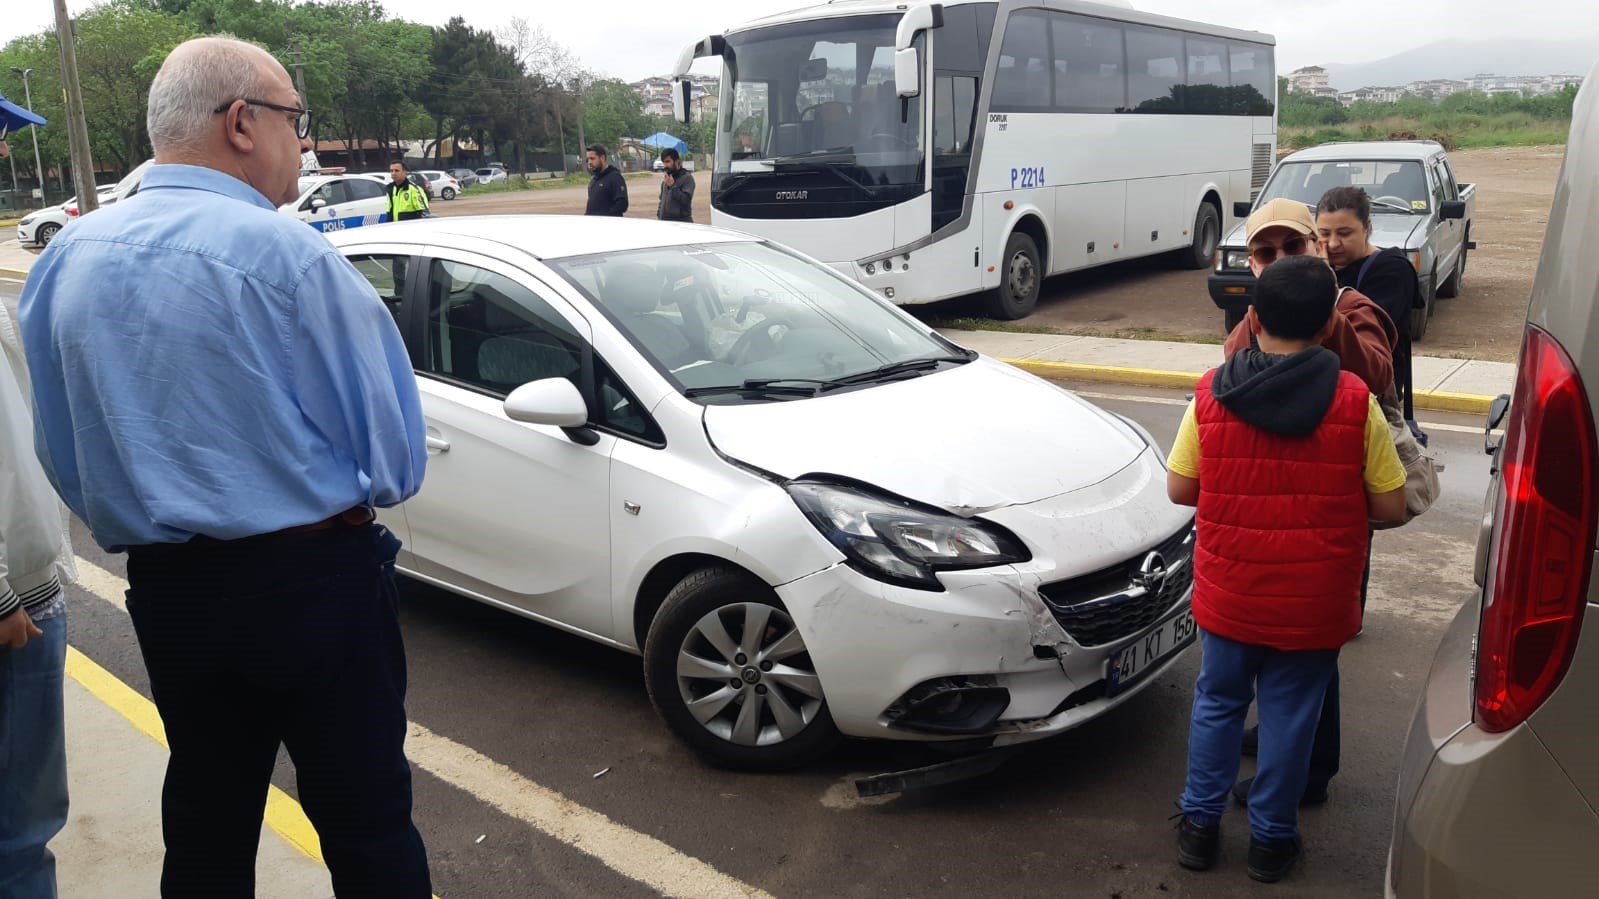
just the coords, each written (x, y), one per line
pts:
(292, 639)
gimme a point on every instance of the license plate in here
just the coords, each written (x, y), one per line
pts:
(1145, 653)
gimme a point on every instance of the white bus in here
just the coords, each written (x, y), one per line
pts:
(931, 150)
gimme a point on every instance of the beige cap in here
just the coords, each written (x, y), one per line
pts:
(1280, 213)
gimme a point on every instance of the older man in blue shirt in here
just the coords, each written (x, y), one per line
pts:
(219, 393)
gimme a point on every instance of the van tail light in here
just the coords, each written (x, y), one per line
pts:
(1532, 609)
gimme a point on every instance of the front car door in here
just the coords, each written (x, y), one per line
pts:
(1450, 232)
(513, 513)
(366, 203)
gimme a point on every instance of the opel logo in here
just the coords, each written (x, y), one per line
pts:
(1152, 573)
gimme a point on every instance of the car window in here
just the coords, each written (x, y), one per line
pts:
(493, 333)
(386, 274)
(331, 193)
(363, 189)
(721, 314)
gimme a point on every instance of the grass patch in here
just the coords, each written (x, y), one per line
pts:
(1454, 131)
(515, 184)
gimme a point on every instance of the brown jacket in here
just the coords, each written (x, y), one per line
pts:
(1361, 334)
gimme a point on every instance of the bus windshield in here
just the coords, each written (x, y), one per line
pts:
(819, 93)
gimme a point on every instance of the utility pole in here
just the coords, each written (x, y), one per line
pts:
(299, 69)
(77, 128)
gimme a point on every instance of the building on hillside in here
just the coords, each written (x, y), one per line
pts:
(1311, 80)
(1371, 95)
(1435, 89)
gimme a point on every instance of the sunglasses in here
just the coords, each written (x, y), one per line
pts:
(302, 117)
(1266, 254)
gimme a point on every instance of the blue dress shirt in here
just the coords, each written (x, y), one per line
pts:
(203, 364)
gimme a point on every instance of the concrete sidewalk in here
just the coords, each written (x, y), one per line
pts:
(1442, 385)
(111, 847)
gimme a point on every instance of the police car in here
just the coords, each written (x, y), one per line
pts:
(339, 202)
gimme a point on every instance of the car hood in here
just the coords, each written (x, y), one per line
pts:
(1387, 230)
(970, 439)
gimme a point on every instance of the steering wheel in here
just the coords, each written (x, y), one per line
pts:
(895, 138)
(826, 103)
(757, 343)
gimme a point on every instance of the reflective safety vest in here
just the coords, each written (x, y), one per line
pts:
(406, 202)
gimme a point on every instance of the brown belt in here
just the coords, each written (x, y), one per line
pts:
(353, 517)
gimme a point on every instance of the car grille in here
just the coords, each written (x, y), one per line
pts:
(1116, 602)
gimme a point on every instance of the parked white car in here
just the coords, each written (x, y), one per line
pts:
(337, 202)
(810, 513)
(491, 175)
(442, 183)
(37, 229)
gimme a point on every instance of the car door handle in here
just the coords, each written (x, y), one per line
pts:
(438, 444)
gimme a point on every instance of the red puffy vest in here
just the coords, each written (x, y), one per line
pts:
(1282, 524)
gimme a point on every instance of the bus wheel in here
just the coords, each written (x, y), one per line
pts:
(1207, 234)
(1020, 280)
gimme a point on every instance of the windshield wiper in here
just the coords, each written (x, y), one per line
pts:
(1392, 206)
(795, 164)
(926, 363)
(769, 386)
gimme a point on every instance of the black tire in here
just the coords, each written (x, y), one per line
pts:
(676, 633)
(1420, 317)
(1231, 319)
(1207, 234)
(448, 193)
(1021, 279)
(46, 233)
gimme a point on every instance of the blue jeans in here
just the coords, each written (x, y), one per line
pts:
(1290, 687)
(33, 761)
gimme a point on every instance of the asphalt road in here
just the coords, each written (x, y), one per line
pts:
(1083, 815)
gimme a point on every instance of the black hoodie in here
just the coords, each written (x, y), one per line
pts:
(1287, 395)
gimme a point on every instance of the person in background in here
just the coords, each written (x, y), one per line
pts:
(1343, 225)
(406, 200)
(607, 187)
(677, 190)
(221, 395)
(1287, 458)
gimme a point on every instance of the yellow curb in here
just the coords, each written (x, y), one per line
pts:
(9, 223)
(14, 272)
(1431, 400)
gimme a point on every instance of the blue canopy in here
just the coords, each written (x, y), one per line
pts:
(660, 140)
(14, 117)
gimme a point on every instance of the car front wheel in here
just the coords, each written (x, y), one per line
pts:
(728, 670)
(46, 233)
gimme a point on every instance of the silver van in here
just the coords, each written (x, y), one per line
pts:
(1500, 777)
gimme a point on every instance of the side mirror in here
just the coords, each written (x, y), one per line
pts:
(1242, 208)
(813, 70)
(682, 96)
(552, 401)
(1452, 209)
(1496, 417)
(907, 73)
(318, 203)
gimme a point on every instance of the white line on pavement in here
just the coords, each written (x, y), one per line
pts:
(1168, 401)
(626, 851)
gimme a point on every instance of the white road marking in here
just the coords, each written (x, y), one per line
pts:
(12, 281)
(1168, 401)
(632, 854)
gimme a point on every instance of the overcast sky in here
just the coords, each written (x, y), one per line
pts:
(631, 39)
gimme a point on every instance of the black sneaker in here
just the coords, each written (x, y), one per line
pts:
(1270, 860)
(1313, 795)
(1252, 741)
(1198, 845)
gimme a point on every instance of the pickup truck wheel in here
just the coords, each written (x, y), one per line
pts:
(1420, 317)
(1451, 288)
(1231, 319)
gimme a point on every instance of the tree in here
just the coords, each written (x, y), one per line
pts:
(120, 49)
(613, 111)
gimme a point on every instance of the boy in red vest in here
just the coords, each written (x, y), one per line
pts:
(1286, 458)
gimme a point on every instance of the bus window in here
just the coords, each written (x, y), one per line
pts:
(1254, 78)
(1153, 70)
(1089, 66)
(1022, 80)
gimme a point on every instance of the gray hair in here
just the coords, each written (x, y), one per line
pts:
(197, 77)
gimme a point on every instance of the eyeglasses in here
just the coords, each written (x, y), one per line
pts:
(302, 117)
(1266, 254)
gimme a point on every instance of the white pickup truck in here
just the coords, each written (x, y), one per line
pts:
(1416, 205)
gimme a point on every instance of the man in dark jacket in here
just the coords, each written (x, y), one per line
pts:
(677, 190)
(607, 189)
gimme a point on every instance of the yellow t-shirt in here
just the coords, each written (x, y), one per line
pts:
(1383, 472)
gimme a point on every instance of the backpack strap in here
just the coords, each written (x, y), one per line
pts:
(1366, 267)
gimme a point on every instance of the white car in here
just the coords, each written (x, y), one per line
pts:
(491, 175)
(810, 513)
(37, 229)
(337, 202)
(442, 183)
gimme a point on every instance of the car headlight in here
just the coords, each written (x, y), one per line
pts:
(1234, 260)
(27, 220)
(898, 541)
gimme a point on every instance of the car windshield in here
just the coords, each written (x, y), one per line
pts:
(747, 322)
(1395, 187)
